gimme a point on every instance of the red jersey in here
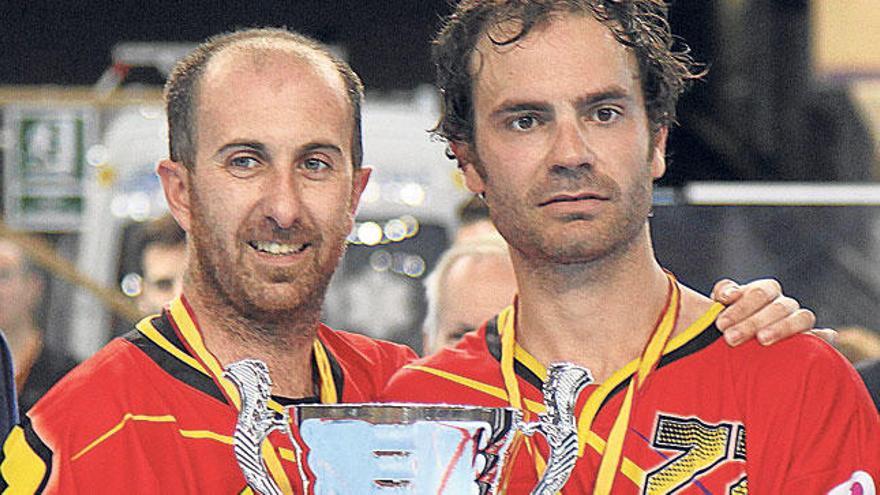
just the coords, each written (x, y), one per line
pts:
(151, 413)
(790, 418)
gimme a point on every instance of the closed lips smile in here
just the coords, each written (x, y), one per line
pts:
(277, 248)
(570, 198)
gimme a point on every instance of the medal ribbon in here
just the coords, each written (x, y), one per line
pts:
(646, 363)
(191, 336)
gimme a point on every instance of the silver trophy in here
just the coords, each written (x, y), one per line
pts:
(403, 448)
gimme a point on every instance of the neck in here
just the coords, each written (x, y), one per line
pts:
(286, 347)
(597, 314)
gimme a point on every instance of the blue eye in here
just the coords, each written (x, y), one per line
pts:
(315, 165)
(244, 162)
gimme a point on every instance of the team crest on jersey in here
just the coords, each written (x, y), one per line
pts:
(692, 449)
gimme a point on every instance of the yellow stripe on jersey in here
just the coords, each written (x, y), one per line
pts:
(193, 336)
(275, 469)
(129, 418)
(206, 435)
(695, 328)
(22, 469)
(499, 393)
(328, 386)
(530, 362)
(119, 426)
(146, 327)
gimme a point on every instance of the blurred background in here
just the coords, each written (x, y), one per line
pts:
(774, 167)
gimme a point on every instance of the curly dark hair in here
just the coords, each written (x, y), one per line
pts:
(181, 89)
(638, 24)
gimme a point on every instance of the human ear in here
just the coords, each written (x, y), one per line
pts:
(658, 156)
(174, 177)
(360, 179)
(466, 163)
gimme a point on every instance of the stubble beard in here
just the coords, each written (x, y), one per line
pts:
(611, 234)
(270, 304)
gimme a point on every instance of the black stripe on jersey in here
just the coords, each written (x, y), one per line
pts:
(170, 364)
(493, 343)
(335, 370)
(287, 401)
(701, 341)
(41, 449)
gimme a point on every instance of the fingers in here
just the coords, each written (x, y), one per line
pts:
(745, 301)
(776, 321)
(726, 291)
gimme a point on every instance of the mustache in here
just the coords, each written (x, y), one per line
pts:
(268, 230)
(561, 180)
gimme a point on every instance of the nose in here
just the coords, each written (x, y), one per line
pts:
(571, 146)
(282, 201)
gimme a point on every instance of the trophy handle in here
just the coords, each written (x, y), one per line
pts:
(255, 422)
(565, 381)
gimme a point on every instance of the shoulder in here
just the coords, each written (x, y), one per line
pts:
(100, 371)
(92, 390)
(353, 346)
(464, 373)
(83, 406)
(798, 358)
(366, 364)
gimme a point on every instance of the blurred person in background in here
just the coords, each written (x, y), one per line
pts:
(473, 220)
(37, 365)
(163, 262)
(858, 344)
(471, 282)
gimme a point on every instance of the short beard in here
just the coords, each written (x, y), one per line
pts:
(225, 287)
(611, 243)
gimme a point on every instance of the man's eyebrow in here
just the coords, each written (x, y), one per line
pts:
(319, 146)
(254, 146)
(509, 107)
(610, 94)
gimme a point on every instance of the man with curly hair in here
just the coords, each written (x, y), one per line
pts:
(558, 113)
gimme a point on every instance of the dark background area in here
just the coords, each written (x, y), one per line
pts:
(759, 115)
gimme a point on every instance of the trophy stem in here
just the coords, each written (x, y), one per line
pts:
(565, 382)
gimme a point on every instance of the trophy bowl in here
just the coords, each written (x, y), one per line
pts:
(398, 448)
(404, 448)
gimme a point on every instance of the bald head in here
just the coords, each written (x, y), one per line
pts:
(255, 47)
(472, 282)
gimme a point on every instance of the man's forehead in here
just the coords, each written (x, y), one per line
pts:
(507, 36)
(269, 55)
(580, 45)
